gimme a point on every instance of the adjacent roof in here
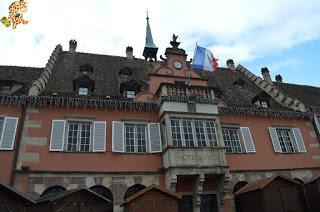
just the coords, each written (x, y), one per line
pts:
(20, 75)
(149, 188)
(308, 95)
(105, 73)
(16, 193)
(66, 193)
(260, 184)
(312, 179)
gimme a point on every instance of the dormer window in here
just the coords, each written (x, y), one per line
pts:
(131, 94)
(264, 104)
(5, 89)
(83, 91)
(239, 83)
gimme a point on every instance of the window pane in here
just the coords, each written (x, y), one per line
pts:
(231, 139)
(83, 91)
(176, 133)
(285, 139)
(129, 138)
(73, 137)
(141, 138)
(187, 133)
(211, 131)
(264, 104)
(201, 138)
(131, 94)
(85, 138)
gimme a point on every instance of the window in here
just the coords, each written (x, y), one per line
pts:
(264, 104)
(231, 139)
(79, 137)
(83, 91)
(5, 89)
(1, 126)
(193, 132)
(286, 140)
(135, 138)
(131, 94)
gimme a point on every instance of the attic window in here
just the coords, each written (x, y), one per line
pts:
(264, 104)
(239, 83)
(83, 91)
(131, 94)
(5, 89)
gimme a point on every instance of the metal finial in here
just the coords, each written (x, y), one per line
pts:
(147, 14)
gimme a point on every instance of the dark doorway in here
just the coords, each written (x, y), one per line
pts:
(105, 192)
(186, 204)
(209, 203)
(133, 189)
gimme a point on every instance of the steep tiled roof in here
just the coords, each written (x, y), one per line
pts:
(234, 96)
(309, 95)
(105, 73)
(21, 75)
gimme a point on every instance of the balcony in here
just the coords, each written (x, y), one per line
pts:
(194, 157)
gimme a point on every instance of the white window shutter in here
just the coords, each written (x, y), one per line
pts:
(117, 136)
(275, 139)
(57, 135)
(154, 137)
(99, 136)
(247, 139)
(317, 122)
(299, 140)
(8, 133)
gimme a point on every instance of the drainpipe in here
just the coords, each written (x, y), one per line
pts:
(18, 143)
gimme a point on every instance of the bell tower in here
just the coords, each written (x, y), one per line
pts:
(150, 49)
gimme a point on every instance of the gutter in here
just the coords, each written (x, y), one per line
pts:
(17, 147)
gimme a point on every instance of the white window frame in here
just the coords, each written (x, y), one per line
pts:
(285, 144)
(234, 148)
(1, 126)
(83, 91)
(264, 104)
(7, 89)
(208, 144)
(130, 94)
(79, 136)
(135, 137)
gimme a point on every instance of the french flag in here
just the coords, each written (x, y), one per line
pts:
(203, 59)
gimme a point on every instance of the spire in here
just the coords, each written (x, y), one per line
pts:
(150, 49)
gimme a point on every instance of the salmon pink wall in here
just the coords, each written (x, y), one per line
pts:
(96, 162)
(265, 157)
(6, 157)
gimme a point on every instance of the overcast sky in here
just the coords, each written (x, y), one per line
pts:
(283, 35)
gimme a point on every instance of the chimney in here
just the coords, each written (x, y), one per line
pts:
(266, 75)
(72, 46)
(279, 78)
(129, 53)
(230, 65)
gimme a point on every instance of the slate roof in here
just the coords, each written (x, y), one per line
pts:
(234, 96)
(308, 95)
(16, 193)
(105, 73)
(21, 75)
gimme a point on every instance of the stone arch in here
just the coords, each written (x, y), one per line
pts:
(133, 189)
(52, 190)
(103, 191)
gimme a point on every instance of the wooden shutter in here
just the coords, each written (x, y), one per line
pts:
(99, 136)
(317, 123)
(154, 137)
(275, 139)
(57, 135)
(299, 140)
(8, 133)
(117, 136)
(247, 139)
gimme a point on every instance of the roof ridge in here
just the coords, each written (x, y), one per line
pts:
(312, 86)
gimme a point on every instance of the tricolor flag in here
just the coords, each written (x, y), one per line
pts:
(203, 59)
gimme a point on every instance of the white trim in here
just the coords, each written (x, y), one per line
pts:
(63, 136)
(4, 121)
(251, 140)
(317, 122)
(272, 141)
(105, 136)
(295, 139)
(3, 130)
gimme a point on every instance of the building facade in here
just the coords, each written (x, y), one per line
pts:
(119, 124)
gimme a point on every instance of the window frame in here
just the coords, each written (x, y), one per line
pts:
(79, 136)
(284, 144)
(129, 94)
(136, 145)
(195, 134)
(7, 90)
(232, 146)
(1, 125)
